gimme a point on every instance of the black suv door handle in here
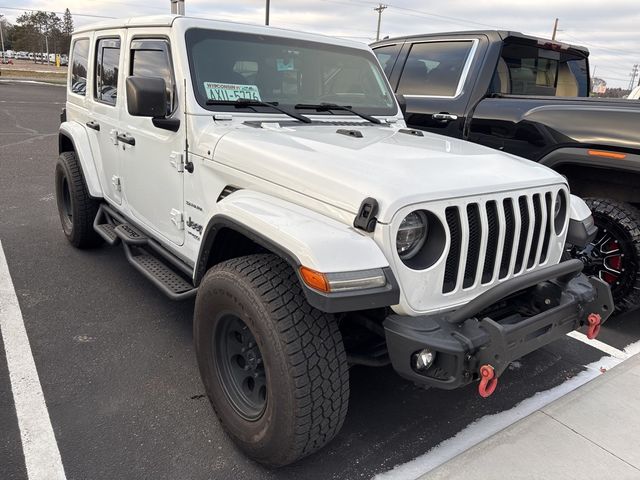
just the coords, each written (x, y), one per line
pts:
(126, 139)
(93, 125)
(444, 117)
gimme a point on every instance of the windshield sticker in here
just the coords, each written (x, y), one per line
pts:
(284, 65)
(231, 91)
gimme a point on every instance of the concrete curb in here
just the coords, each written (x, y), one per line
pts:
(586, 434)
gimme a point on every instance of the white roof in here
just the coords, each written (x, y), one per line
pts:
(191, 22)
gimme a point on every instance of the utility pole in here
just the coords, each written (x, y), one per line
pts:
(177, 7)
(380, 8)
(266, 12)
(634, 73)
(555, 30)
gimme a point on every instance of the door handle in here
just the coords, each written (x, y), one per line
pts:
(444, 117)
(93, 125)
(124, 138)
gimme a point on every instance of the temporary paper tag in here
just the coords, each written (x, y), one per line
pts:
(231, 91)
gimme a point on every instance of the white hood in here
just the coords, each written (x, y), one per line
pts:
(397, 169)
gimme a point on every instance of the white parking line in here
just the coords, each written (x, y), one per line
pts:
(41, 454)
(595, 343)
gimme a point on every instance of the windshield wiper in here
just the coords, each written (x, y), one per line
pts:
(245, 102)
(327, 107)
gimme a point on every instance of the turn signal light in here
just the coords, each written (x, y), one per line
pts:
(343, 281)
(314, 279)
(602, 153)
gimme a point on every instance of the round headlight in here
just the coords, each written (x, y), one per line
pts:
(560, 211)
(411, 234)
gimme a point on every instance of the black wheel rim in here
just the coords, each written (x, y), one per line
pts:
(65, 205)
(610, 257)
(240, 367)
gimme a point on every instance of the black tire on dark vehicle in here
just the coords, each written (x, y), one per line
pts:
(76, 207)
(614, 255)
(274, 367)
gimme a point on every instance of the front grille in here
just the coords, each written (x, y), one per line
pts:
(492, 240)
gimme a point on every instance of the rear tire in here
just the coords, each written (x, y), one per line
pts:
(614, 255)
(77, 209)
(251, 311)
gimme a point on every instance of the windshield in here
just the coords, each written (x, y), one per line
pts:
(229, 65)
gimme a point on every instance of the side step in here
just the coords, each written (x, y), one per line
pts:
(164, 270)
(171, 283)
(107, 231)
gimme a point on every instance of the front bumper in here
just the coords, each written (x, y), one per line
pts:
(503, 324)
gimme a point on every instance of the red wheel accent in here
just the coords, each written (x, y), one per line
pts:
(594, 320)
(488, 382)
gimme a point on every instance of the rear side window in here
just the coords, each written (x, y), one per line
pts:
(387, 57)
(107, 66)
(79, 63)
(150, 58)
(434, 68)
(529, 70)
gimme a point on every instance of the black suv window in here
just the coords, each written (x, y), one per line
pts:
(79, 62)
(530, 70)
(150, 58)
(107, 66)
(387, 57)
(434, 68)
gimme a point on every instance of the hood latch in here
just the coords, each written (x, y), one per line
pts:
(366, 218)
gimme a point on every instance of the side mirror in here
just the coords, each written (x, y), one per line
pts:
(146, 97)
(402, 102)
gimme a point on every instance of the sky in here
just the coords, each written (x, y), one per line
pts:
(610, 29)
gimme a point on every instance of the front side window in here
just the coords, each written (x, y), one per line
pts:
(434, 68)
(150, 58)
(79, 65)
(107, 70)
(226, 66)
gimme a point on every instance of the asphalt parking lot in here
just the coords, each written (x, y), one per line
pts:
(117, 367)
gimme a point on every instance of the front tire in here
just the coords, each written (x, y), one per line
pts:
(77, 209)
(614, 254)
(273, 367)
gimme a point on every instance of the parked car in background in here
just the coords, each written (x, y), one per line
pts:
(528, 96)
(635, 94)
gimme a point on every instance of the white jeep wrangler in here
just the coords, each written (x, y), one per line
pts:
(270, 174)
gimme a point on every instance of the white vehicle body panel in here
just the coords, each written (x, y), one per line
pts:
(395, 168)
(316, 241)
(578, 209)
(88, 159)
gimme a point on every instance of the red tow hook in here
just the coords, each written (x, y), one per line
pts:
(594, 320)
(488, 381)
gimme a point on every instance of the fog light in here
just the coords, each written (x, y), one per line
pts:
(423, 359)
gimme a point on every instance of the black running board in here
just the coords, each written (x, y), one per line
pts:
(160, 267)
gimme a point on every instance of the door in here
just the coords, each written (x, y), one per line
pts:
(151, 161)
(106, 102)
(432, 81)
